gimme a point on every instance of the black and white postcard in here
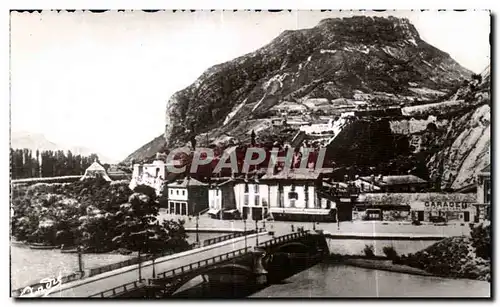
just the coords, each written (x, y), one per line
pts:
(250, 154)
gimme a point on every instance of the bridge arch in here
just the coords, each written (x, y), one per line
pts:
(293, 246)
(235, 269)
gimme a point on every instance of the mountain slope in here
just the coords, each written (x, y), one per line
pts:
(379, 60)
(147, 151)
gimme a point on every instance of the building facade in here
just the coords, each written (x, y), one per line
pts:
(293, 195)
(222, 200)
(483, 196)
(422, 207)
(153, 175)
(187, 197)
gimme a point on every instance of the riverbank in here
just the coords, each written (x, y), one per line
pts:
(380, 263)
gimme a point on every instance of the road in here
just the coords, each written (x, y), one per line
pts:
(205, 222)
(109, 280)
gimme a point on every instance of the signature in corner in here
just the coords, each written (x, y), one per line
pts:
(43, 288)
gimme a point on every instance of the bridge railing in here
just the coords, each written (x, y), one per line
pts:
(229, 237)
(125, 263)
(202, 263)
(285, 238)
(131, 286)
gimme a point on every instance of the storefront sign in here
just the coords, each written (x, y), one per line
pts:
(446, 206)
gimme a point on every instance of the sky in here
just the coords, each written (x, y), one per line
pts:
(102, 81)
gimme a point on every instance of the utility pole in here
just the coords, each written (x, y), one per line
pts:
(154, 272)
(245, 231)
(256, 234)
(139, 257)
(197, 236)
(80, 262)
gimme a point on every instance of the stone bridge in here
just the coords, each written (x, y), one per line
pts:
(249, 267)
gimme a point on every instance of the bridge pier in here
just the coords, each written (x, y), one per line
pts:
(258, 268)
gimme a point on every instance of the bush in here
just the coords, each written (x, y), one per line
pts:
(481, 240)
(416, 223)
(390, 252)
(368, 250)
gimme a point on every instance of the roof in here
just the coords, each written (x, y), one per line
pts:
(95, 167)
(395, 180)
(486, 169)
(296, 174)
(187, 182)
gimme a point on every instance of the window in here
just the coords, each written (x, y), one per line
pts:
(246, 187)
(256, 200)
(293, 195)
(328, 204)
(217, 192)
(177, 192)
(170, 191)
(256, 188)
(183, 192)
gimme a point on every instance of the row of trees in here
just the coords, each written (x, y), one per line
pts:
(96, 215)
(28, 164)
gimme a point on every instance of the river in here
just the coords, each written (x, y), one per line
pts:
(337, 280)
(321, 280)
(344, 281)
(28, 266)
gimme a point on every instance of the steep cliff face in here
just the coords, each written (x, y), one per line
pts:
(466, 140)
(378, 60)
(447, 143)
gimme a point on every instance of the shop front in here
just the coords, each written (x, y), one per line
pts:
(443, 211)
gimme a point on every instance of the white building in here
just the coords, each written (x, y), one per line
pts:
(152, 175)
(96, 170)
(187, 197)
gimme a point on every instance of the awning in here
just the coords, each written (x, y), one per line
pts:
(213, 211)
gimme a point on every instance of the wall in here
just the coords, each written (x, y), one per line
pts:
(356, 246)
(198, 199)
(215, 199)
(177, 194)
(274, 196)
(388, 215)
(240, 195)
